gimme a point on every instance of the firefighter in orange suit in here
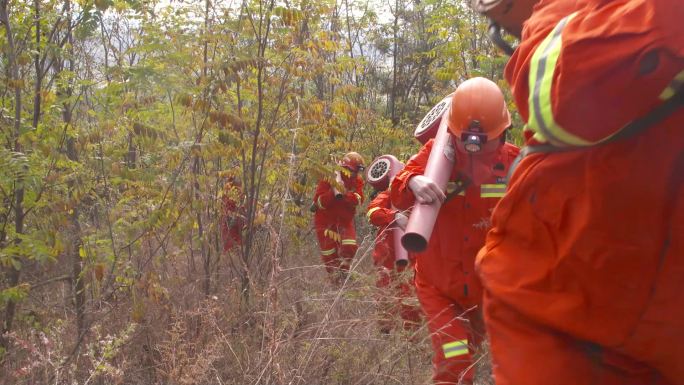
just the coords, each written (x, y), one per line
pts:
(232, 218)
(447, 286)
(334, 215)
(583, 268)
(382, 215)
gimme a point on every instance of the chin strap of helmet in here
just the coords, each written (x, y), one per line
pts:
(494, 32)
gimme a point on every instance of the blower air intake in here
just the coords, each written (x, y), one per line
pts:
(382, 170)
(427, 128)
(379, 175)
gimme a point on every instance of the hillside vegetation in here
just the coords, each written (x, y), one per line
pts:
(120, 122)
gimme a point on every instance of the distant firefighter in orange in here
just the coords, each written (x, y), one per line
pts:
(232, 215)
(334, 215)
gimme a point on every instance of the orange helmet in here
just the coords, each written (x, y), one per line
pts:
(478, 113)
(353, 161)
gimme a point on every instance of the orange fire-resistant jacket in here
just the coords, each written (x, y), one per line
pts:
(333, 211)
(589, 243)
(459, 232)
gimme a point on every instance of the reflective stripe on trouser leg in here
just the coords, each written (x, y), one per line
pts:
(347, 251)
(455, 349)
(331, 261)
(328, 249)
(448, 322)
(348, 248)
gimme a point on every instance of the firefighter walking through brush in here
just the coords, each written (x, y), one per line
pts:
(394, 274)
(334, 215)
(447, 286)
(232, 214)
(583, 267)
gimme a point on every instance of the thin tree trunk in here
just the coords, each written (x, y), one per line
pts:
(393, 95)
(39, 70)
(204, 252)
(74, 233)
(252, 191)
(13, 274)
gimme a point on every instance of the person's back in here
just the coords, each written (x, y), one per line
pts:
(586, 250)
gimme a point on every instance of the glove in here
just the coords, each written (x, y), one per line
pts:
(425, 190)
(400, 220)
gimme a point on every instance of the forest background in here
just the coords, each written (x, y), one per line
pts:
(120, 122)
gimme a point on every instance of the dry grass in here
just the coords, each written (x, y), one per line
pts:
(297, 329)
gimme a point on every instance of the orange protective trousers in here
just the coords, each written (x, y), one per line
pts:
(396, 290)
